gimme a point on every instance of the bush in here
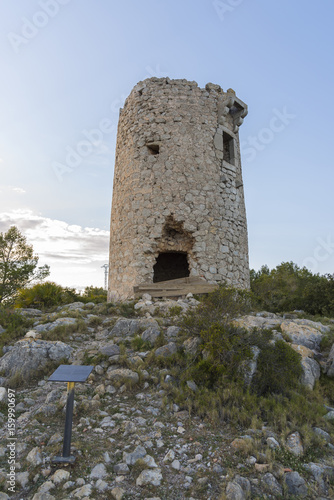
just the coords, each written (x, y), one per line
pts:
(288, 287)
(220, 306)
(227, 348)
(278, 369)
(220, 363)
(15, 325)
(44, 295)
(94, 294)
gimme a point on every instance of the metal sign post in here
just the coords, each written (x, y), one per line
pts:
(69, 374)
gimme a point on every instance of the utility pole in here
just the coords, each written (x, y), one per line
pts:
(105, 266)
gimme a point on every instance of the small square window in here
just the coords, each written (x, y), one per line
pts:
(153, 148)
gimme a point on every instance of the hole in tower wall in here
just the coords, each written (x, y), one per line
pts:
(170, 266)
(153, 148)
(228, 148)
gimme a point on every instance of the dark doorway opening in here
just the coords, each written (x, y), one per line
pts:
(170, 266)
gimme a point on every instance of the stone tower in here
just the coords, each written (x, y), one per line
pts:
(178, 201)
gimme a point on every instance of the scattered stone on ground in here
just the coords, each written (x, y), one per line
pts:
(129, 440)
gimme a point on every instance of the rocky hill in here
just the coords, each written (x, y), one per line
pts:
(136, 431)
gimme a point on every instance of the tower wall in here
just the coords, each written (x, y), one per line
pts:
(178, 186)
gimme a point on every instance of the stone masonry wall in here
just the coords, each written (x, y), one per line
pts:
(178, 185)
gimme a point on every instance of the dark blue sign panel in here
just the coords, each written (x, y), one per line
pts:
(71, 373)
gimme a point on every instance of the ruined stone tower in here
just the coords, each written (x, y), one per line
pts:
(178, 202)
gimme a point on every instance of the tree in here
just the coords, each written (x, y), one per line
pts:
(18, 264)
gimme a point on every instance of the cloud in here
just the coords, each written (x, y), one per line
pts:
(19, 190)
(75, 253)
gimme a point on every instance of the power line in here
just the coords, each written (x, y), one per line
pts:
(105, 266)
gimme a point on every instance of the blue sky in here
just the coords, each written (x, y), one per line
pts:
(66, 67)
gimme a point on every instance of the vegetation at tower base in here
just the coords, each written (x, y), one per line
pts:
(49, 294)
(44, 295)
(18, 264)
(288, 287)
(221, 360)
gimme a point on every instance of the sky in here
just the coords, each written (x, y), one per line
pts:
(68, 65)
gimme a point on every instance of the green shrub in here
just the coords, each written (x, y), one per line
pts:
(15, 325)
(275, 395)
(220, 306)
(95, 321)
(63, 332)
(126, 309)
(44, 295)
(227, 347)
(278, 369)
(94, 294)
(288, 287)
(138, 344)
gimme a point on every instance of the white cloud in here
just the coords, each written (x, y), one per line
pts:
(19, 190)
(75, 253)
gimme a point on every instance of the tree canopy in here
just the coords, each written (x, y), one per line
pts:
(18, 264)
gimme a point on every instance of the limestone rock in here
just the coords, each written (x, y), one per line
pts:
(28, 355)
(245, 485)
(121, 469)
(3, 394)
(101, 485)
(251, 322)
(272, 485)
(55, 438)
(110, 349)
(34, 456)
(32, 335)
(191, 345)
(28, 312)
(117, 493)
(248, 367)
(83, 491)
(125, 327)
(300, 334)
(151, 334)
(234, 492)
(313, 324)
(273, 443)
(192, 386)
(295, 485)
(322, 434)
(149, 476)
(176, 465)
(311, 372)
(330, 363)
(98, 472)
(294, 444)
(122, 374)
(46, 487)
(74, 306)
(172, 332)
(22, 478)
(166, 350)
(131, 458)
(329, 415)
(42, 496)
(60, 475)
(47, 327)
